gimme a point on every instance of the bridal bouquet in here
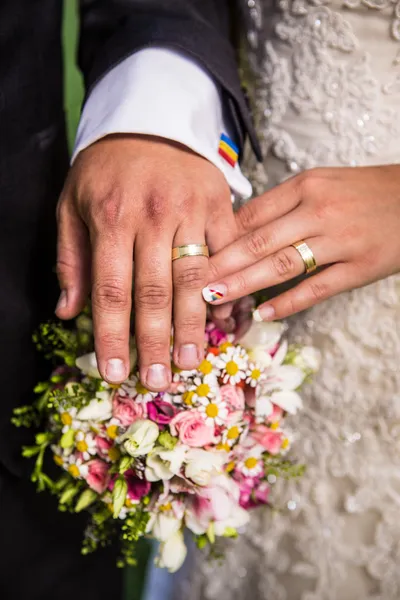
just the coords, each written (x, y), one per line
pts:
(198, 456)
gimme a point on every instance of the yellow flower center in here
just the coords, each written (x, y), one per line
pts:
(233, 433)
(66, 418)
(141, 389)
(285, 444)
(230, 466)
(114, 454)
(251, 462)
(188, 398)
(112, 431)
(205, 367)
(212, 410)
(58, 460)
(203, 390)
(231, 368)
(128, 503)
(81, 446)
(110, 507)
(166, 507)
(73, 470)
(275, 426)
(224, 347)
(224, 447)
(256, 374)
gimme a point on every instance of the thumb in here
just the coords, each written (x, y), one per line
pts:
(73, 264)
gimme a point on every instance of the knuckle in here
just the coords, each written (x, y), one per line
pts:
(109, 340)
(309, 182)
(153, 296)
(191, 278)
(283, 264)
(319, 291)
(241, 284)
(189, 325)
(157, 208)
(246, 216)
(151, 345)
(110, 209)
(111, 295)
(257, 244)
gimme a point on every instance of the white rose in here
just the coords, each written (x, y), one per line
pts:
(140, 437)
(264, 335)
(88, 365)
(162, 464)
(98, 409)
(164, 526)
(309, 358)
(201, 465)
(172, 553)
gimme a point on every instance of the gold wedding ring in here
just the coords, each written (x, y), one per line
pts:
(190, 250)
(307, 255)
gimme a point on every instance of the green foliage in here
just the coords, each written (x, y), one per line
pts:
(283, 468)
(167, 440)
(133, 528)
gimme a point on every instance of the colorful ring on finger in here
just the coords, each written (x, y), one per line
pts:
(307, 256)
(190, 250)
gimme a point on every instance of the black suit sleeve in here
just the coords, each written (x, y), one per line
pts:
(111, 30)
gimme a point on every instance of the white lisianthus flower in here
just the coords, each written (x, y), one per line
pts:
(261, 356)
(263, 335)
(264, 407)
(172, 553)
(140, 437)
(201, 465)
(87, 364)
(163, 464)
(288, 400)
(309, 358)
(98, 409)
(238, 518)
(165, 525)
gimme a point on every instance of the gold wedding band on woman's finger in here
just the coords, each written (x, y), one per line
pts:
(189, 250)
(307, 256)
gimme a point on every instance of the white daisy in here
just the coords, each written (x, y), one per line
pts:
(233, 364)
(254, 374)
(232, 435)
(251, 465)
(208, 366)
(76, 467)
(134, 388)
(68, 419)
(203, 388)
(85, 443)
(214, 410)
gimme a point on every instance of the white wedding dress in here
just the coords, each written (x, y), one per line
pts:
(326, 89)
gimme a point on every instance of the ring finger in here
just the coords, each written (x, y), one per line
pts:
(282, 266)
(189, 277)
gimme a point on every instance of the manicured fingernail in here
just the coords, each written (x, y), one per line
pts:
(116, 370)
(213, 293)
(157, 376)
(264, 313)
(188, 356)
(62, 301)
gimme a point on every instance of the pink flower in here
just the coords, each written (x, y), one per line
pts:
(253, 492)
(276, 414)
(160, 412)
(98, 476)
(233, 396)
(191, 428)
(127, 411)
(215, 336)
(269, 439)
(103, 445)
(137, 488)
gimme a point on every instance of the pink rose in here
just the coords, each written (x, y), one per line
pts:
(127, 411)
(215, 336)
(103, 446)
(233, 396)
(137, 488)
(98, 476)
(192, 429)
(160, 412)
(253, 493)
(269, 439)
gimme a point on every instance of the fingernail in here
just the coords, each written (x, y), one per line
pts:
(116, 370)
(264, 313)
(157, 376)
(62, 301)
(188, 356)
(214, 292)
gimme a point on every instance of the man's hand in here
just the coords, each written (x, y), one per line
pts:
(130, 199)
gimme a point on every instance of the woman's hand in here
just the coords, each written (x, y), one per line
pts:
(350, 219)
(131, 198)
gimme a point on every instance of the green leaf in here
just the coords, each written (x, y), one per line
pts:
(41, 387)
(210, 533)
(119, 495)
(62, 482)
(201, 541)
(85, 499)
(230, 532)
(125, 464)
(167, 440)
(29, 451)
(67, 439)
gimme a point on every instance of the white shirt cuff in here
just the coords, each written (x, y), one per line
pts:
(158, 91)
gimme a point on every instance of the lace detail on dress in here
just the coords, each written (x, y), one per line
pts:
(323, 94)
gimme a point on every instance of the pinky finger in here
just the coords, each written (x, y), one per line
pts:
(315, 289)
